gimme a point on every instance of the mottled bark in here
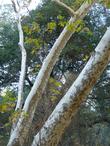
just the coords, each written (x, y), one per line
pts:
(54, 127)
(20, 132)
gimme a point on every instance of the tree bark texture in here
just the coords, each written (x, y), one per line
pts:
(20, 132)
(54, 127)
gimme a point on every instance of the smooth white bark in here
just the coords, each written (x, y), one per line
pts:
(23, 66)
(61, 117)
(19, 134)
(17, 8)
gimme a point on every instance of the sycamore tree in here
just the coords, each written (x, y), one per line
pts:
(53, 129)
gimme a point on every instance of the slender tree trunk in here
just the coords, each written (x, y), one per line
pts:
(61, 117)
(20, 132)
(17, 8)
(23, 65)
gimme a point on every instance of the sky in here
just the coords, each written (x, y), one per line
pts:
(32, 5)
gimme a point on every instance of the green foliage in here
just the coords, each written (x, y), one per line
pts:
(25, 114)
(51, 26)
(61, 20)
(35, 44)
(89, 1)
(55, 82)
(54, 89)
(8, 42)
(85, 58)
(76, 26)
(31, 29)
(106, 3)
(15, 115)
(60, 17)
(7, 101)
(36, 68)
(32, 42)
(9, 52)
(7, 105)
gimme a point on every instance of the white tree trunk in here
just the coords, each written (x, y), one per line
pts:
(19, 134)
(23, 65)
(17, 9)
(61, 117)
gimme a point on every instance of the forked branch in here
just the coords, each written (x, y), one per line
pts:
(68, 9)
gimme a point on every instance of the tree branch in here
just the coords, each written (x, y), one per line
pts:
(68, 9)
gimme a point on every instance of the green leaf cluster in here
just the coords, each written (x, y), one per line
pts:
(76, 26)
(54, 89)
(7, 102)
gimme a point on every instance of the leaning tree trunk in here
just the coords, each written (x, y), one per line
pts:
(19, 134)
(61, 117)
